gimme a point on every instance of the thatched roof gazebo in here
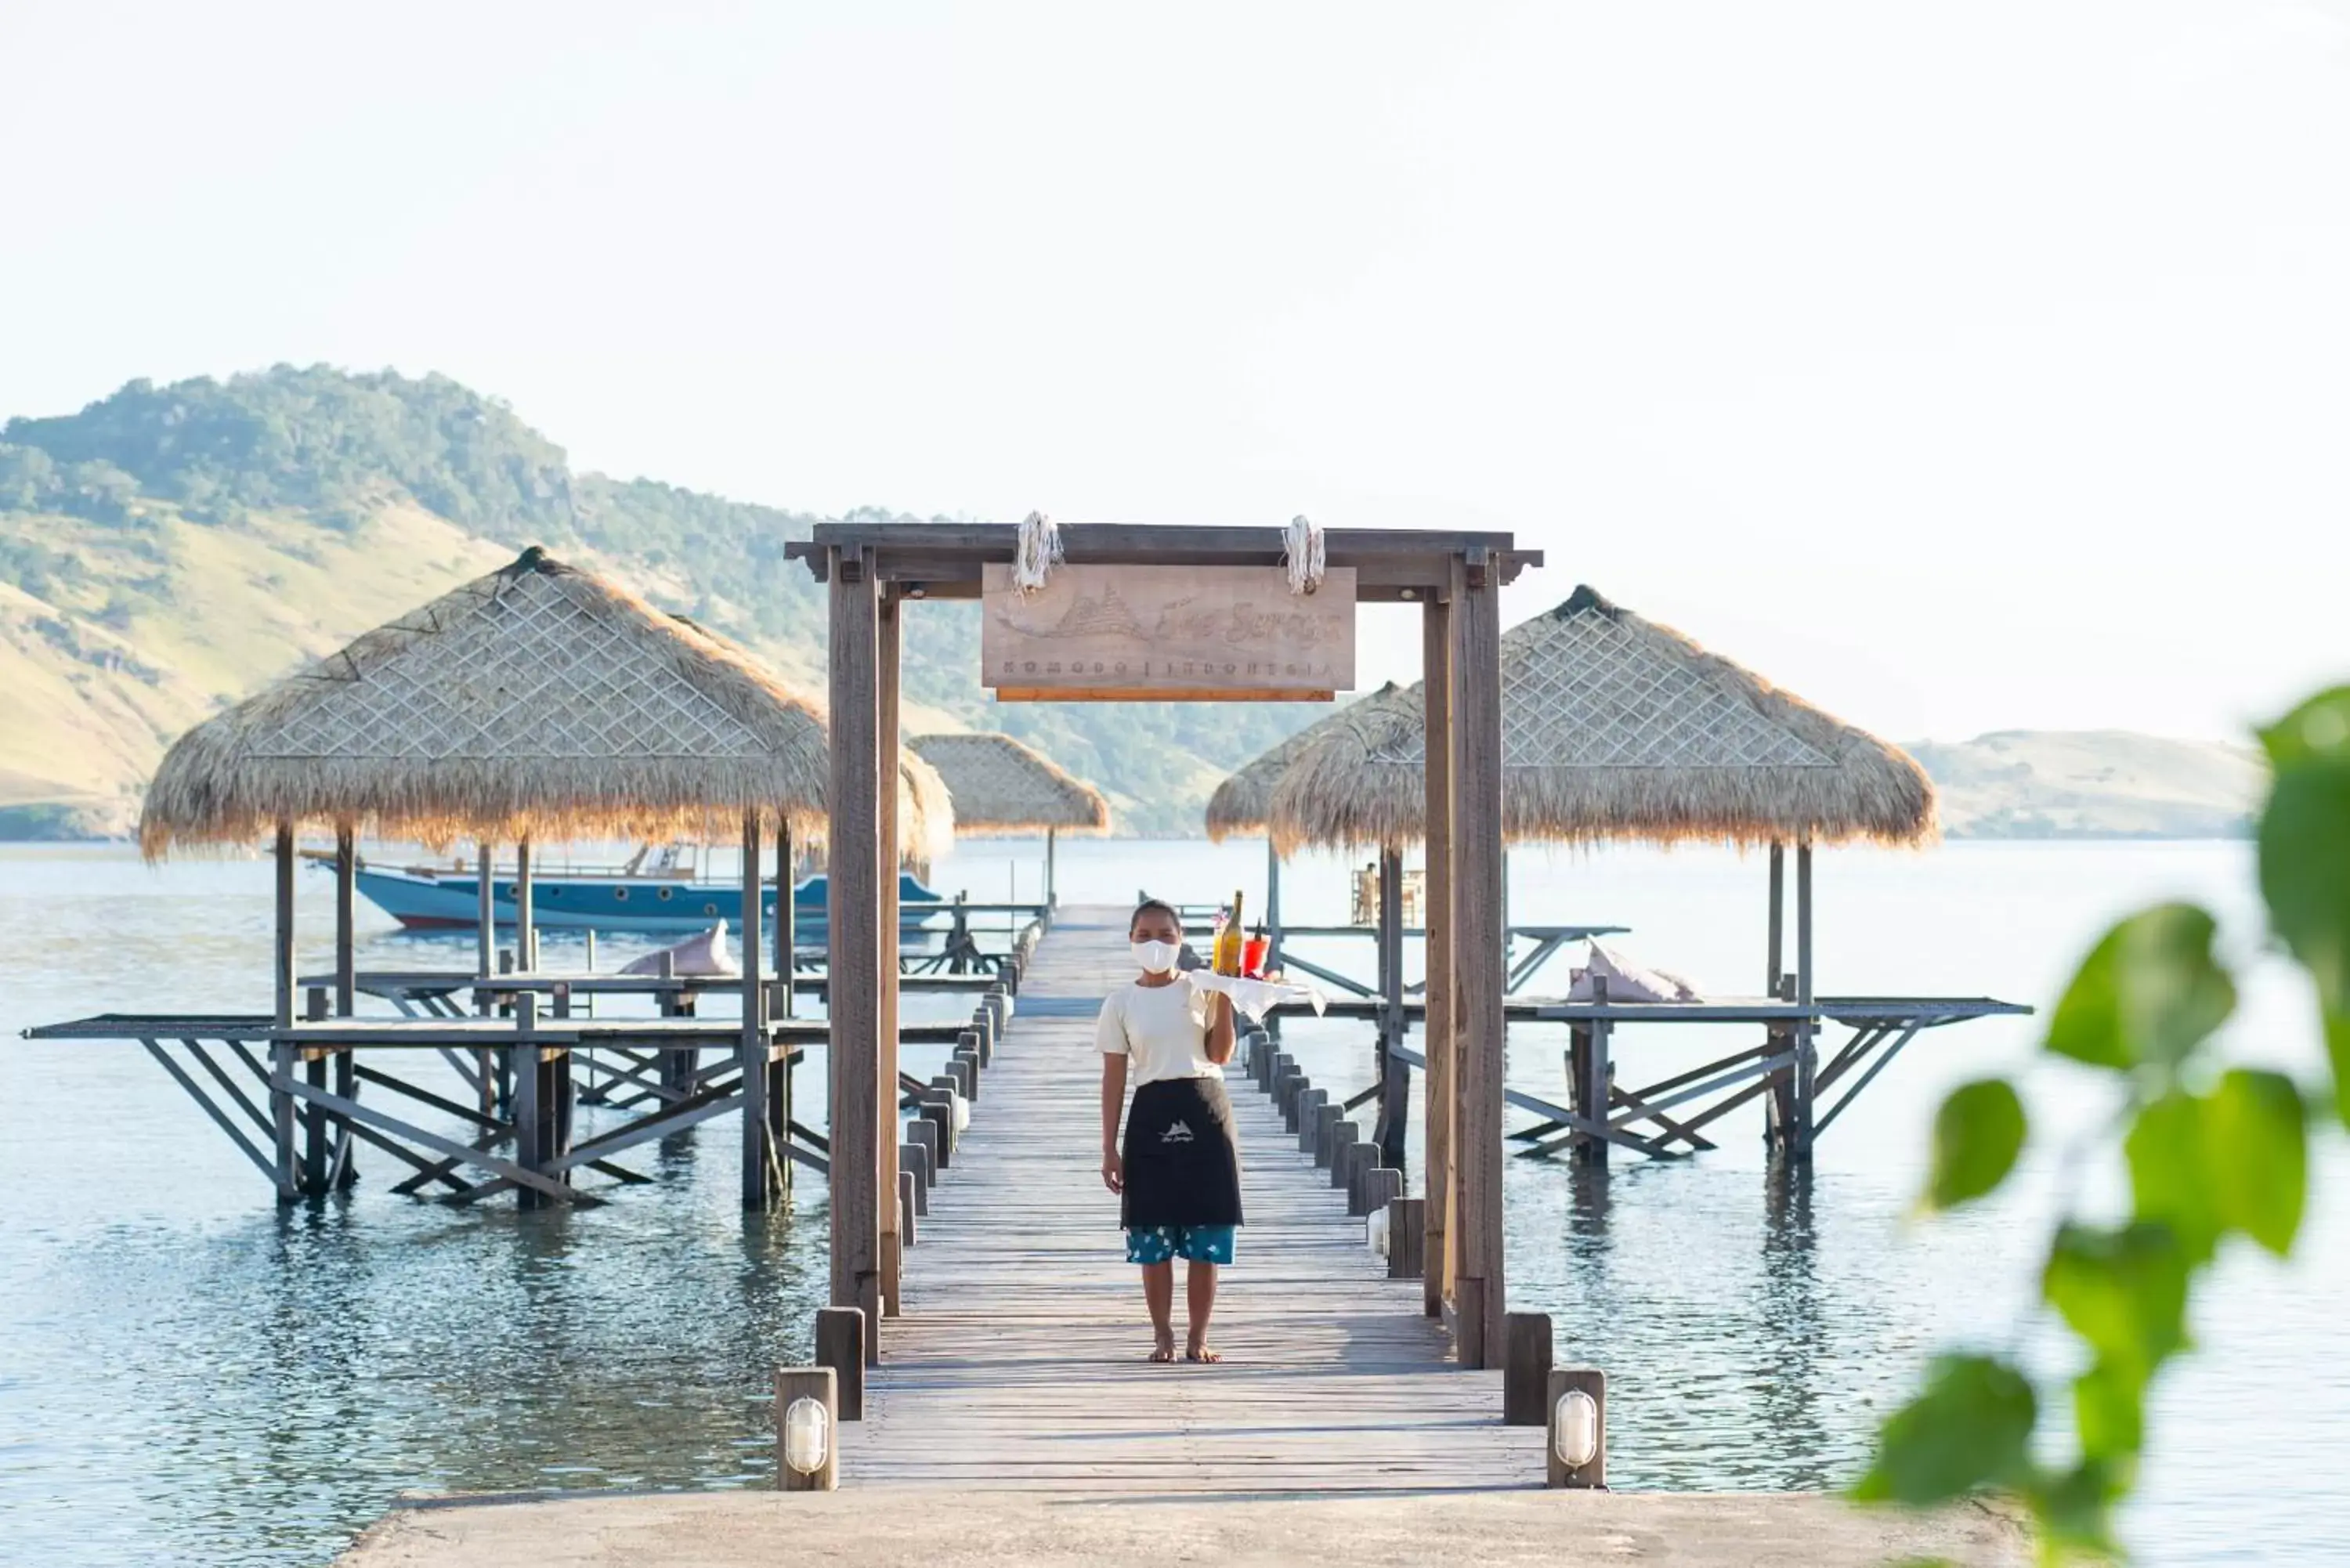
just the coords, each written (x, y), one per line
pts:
(1243, 803)
(538, 702)
(1000, 786)
(1615, 728)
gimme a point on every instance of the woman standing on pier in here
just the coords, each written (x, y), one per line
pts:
(1179, 1173)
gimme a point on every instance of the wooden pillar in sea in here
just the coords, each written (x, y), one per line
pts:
(787, 922)
(525, 911)
(345, 1169)
(1394, 1077)
(1479, 958)
(760, 1153)
(889, 648)
(853, 909)
(281, 1056)
(1437, 670)
(485, 955)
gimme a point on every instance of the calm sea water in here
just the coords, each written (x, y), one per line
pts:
(188, 1374)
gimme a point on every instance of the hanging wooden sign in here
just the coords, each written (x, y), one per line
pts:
(1171, 633)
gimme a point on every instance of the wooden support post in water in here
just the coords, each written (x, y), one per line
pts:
(1577, 1431)
(840, 1346)
(1799, 1139)
(485, 932)
(787, 934)
(888, 645)
(281, 1101)
(1439, 1025)
(820, 1386)
(1778, 921)
(1526, 1370)
(1395, 1077)
(347, 868)
(1479, 958)
(1591, 1091)
(526, 909)
(853, 914)
(759, 1155)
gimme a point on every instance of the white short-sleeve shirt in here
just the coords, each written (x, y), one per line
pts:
(1161, 1030)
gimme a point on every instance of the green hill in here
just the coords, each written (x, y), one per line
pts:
(169, 549)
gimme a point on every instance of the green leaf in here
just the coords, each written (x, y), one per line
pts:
(1977, 1135)
(2075, 1510)
(2109, 1407)
(2168, 1179)
(2125, 1291)
(2304, 856)
(2149, 992)
(2256, 1155)
(1970, 1429)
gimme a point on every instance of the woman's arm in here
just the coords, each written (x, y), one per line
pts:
(1112, 1168)
(1222, 1037)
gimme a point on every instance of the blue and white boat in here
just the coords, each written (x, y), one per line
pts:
(667, 896)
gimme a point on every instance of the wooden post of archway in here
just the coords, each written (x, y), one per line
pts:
(1479, 958)
(853, 919)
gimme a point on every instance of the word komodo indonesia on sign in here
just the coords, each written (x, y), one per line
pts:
(1108, 633)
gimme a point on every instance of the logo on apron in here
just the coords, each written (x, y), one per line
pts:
(1177, 1132)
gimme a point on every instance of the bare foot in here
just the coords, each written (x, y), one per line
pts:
(1164, 1351)
(1197, 1351)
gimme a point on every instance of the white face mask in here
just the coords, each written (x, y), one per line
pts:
(1156, 958)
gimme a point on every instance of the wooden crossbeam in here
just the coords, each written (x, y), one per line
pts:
(229, 1086)
(338, 1105)
(425, 1096)
(1672, 1128)
(1884, 1058)
(220, 1117)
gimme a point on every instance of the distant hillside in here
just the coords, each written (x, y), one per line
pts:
(2092, 784)
(169, 549)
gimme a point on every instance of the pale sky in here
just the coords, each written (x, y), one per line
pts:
(1958, 366)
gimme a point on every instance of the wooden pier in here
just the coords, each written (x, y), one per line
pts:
(1018, 1361)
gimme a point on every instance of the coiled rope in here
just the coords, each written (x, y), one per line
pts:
(1301, 556)
(1038, 551)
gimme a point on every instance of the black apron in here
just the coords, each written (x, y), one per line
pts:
(1182, 1161)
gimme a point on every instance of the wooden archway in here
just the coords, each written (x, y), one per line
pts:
(873, 571)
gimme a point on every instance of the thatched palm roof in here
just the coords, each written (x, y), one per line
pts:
(1243, 803)
(539, 700)
(1614, 727)
(1000, 785)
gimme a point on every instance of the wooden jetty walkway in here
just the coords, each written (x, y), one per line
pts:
(1019, 1360)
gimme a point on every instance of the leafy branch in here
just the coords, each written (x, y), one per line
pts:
(2212, 1154)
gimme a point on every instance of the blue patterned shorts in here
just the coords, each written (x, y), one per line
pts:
(1193, 1243)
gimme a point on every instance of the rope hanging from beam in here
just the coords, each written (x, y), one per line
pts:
(1302, 556)
(1038, 551)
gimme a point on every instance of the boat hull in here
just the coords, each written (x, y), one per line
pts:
(451, 901)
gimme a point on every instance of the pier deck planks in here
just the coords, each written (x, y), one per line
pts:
(1019, 1362)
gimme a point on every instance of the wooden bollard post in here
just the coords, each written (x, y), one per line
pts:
(910, 1164)
(1311, 1125)
(971, 1056)
(1584, 1433)
(1284, 1068)
(1307, 1119)
(819, 1386)
(984, 1022)
(1376, 1187)
(1407, 1234)
(962, 1074)
(922, 1138)
(840, 1346)
(909, 1206)
(1354, 1156)
(1525, 1368)
(999, 996)
(1328, 1138)
(939, 1111)
(970, 1039)
(1292, 1096)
